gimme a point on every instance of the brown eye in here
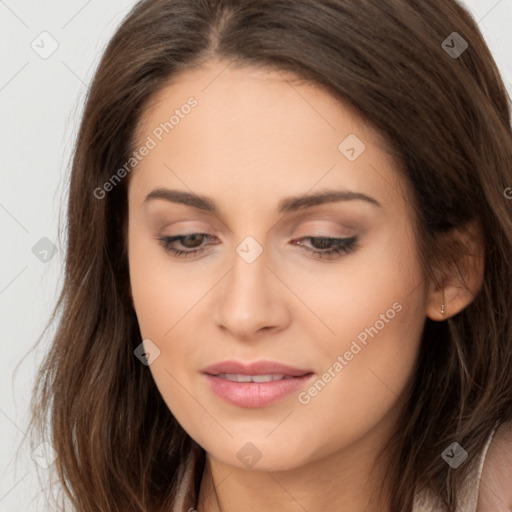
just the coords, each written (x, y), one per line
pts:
(322, 243)
(330, 247)
(192, 242)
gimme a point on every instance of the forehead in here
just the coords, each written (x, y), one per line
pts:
(226, 91)
(255, 131)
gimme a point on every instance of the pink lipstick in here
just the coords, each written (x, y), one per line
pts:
(255, 384)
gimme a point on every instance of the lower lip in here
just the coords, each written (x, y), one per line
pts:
(256, 394)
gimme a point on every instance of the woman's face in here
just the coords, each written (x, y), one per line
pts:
(261, 286)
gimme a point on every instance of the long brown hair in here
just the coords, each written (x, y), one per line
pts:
(446, 117)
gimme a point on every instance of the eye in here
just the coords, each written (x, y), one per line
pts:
(330, 248)
(323, 247)
(190, 241)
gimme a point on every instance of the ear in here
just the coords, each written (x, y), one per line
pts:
(459, 281)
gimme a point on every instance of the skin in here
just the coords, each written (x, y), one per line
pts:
(255, 137)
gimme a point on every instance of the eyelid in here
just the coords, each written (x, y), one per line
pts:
(176, 228)
(335, 231)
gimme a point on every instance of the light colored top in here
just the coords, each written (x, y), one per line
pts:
(424, 501)
(468, 495)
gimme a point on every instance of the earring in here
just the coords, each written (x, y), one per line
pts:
(442, 307)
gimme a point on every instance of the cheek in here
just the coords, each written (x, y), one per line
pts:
(150, 291)
(164, 298)
(366, 365)
(374, 293)
(161, 299)
(375, 312)
(162, 292)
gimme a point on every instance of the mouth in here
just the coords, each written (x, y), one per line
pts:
(255, 384)
(240, 377)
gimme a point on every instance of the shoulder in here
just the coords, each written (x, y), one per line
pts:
(495, 491)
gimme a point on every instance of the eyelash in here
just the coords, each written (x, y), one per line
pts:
(344, 246)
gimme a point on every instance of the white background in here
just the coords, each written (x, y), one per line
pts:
(41, 101)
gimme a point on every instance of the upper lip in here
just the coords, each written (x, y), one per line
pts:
(256, 368)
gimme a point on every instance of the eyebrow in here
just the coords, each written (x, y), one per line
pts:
(286, 205)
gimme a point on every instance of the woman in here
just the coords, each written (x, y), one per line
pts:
(289, 234)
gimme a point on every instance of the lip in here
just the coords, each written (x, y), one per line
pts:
(256, 368)
(255, 394)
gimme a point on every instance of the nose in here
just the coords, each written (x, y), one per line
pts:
(251, 299)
